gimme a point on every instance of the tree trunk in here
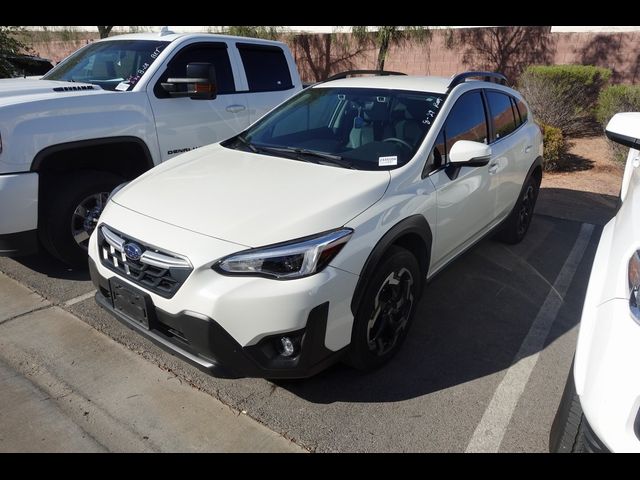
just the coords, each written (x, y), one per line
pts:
(104, 31)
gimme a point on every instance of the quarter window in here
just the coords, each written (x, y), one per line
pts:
(504, 119)
(266, 68)
(522, 110)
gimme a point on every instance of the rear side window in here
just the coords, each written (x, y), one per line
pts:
(522, 110)
(466, 120)
(266, 68)
(215, 54)
(504, 118)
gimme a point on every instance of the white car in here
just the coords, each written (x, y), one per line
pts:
(600, 407)
(309, 237)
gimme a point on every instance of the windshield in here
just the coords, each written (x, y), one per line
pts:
(113, 65)
(361, 128)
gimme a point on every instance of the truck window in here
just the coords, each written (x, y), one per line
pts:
(266, 67)
(213, 53)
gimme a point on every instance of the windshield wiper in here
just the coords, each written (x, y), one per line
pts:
(246, 142)
(327, 157)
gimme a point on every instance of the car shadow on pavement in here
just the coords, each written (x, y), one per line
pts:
(49, 266)
(471, 319)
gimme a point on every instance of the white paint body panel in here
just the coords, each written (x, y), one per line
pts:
(18, 202)
(607, 353)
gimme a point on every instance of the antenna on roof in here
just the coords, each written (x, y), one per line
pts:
(165, 31)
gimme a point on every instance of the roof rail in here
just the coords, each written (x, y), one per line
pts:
(349, 73)
(486, 76)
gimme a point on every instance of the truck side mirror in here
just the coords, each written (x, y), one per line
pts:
(200, 82)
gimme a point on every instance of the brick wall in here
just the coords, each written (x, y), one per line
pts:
(319, 55)
(618, 51)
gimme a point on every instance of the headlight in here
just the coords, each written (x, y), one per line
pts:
(115, 190)
(634, 285)
(295, 259)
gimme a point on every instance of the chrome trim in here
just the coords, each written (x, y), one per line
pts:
(112, 239)
(163, 261)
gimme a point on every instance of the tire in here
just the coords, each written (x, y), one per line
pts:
(567, 430)
(517, 223)
(61, 220)
(391, 297)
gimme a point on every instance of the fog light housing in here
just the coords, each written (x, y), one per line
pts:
(286, 347)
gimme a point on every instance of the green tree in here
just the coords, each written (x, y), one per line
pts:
(104, 31)
(268, 32)
(10, 44)
(385, 36)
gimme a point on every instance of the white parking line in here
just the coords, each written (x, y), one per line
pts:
(489, 433)
(79, 299)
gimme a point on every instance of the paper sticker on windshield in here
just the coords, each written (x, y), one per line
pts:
(386, 161)
(122, 86)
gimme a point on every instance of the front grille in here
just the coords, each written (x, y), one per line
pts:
(160, 272)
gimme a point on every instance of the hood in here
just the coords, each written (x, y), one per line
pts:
(251, 199)
(24, 88)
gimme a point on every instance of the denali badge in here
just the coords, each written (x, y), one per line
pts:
(133, 251)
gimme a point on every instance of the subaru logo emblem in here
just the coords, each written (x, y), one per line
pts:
(133, 251)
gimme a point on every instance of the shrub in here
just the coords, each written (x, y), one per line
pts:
(564, 96)
(615, 99)
(555, 147)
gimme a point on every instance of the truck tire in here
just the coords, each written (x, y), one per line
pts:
(386, 310)
(517, 223)
(71, 205)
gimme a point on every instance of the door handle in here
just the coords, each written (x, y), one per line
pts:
(528, 148)
(235, 108)
(493, 168)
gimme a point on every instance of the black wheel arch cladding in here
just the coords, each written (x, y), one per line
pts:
(413, 226)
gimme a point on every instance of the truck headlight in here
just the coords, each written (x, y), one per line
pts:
(634, 285)
(284, 261)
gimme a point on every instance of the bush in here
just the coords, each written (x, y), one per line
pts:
(615, 99)
(564, 96)
(555, 147)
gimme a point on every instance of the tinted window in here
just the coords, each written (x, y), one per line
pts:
(522, 110)
(466, 120)
(266, 68)
(215, 54)
(504, 120)
(515, 112)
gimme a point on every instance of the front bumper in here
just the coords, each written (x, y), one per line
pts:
(18, 213)
(608, 383)
(202, 342)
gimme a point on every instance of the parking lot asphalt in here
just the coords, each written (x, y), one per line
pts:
(483, 367)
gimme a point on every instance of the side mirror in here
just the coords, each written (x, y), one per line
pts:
(200, 83)
(624, 128)
(465, 153)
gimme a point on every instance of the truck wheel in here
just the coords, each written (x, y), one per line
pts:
(70, 210)
(386, 310)
(517, 223)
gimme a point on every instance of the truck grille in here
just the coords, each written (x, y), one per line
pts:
(160, 272)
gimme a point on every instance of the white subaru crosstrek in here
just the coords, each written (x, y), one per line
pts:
(600, 407)
(308, 237)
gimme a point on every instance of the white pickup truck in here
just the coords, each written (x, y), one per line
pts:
(113, 110)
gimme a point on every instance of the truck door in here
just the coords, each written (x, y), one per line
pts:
(183, 124)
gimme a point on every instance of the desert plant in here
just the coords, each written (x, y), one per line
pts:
(564, 96)
(555, 147)
(615, 99)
